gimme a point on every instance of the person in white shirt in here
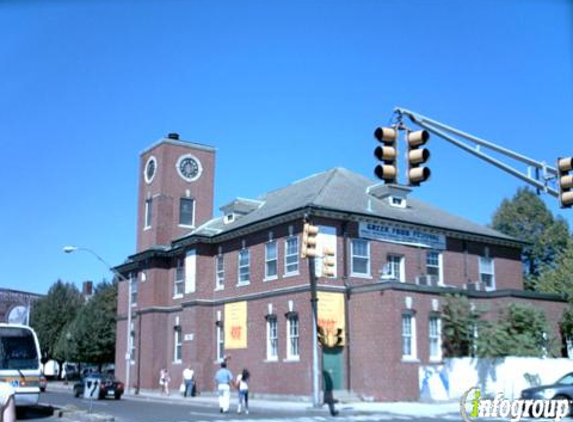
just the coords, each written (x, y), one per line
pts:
(243, 386)
(7, 405)
(188, 374)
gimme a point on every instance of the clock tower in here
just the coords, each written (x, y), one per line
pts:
(176, 183)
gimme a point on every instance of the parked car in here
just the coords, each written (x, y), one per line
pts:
(109, 386)
(43, 383)
(562, 389)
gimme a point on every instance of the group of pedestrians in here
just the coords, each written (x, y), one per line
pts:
(225, 381)
(187, 387)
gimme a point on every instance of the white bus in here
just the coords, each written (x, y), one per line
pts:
(20, 362)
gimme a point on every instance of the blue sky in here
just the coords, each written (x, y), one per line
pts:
(281, 89)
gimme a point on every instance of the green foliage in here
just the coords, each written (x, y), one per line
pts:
(458, 324)
(93, 331)
(526, 217)
(566, 323)
(519, 330)
(558, 279)
(53, 313)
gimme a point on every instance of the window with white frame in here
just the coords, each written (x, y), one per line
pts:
(187, 212)
(177, 344)
(360, 257)
(291, 255)
(272, 338)
(134, 286)
(435, 337)
(408, 335)
(219, 272)
(220, 335)
(486, 272)
(179, 286)
(293, 337)
(271, 260)
(148, 213)
(396, 267)
(244, 266)
(433, 259)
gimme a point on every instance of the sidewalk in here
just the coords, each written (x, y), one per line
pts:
(209, 399)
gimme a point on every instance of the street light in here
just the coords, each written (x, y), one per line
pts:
(70, 249)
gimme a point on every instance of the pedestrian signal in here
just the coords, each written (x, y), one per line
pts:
(565, 181)
(387, 154)
(417, 156)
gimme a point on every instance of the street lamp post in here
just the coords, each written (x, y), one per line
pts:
(70, 249)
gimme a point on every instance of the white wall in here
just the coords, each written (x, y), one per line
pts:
(508, 376)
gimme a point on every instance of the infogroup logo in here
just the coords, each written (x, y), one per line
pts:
(473, 407)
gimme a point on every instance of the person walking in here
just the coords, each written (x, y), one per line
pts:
(164, 380)
(223, 380)
(188, 375)
(328, 394)
(243, 386)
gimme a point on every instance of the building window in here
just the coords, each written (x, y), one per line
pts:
(244, 266)
(486, 274)
(272, 339)
(408, 336)
(291, 255)
(187, 212)
(360, 257)
(220, 272)
(148, 213)
(433, 259)
(293, 337)
(220, 334)
(271, 260)
(395, 267)
(178, 344)
(133, 283)
(435, 337)
(179, 278)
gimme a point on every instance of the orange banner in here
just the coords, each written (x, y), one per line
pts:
(331, 314)
(236, 325)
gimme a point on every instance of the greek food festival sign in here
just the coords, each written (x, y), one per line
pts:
(384, 232)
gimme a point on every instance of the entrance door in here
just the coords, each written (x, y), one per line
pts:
(333, 368)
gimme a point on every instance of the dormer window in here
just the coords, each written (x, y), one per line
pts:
(397, 201)
(229, 218)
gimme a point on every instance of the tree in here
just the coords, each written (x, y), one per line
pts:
(527, 218)
(459, 324)
(52, 313)
(558, 279)
(93, 330)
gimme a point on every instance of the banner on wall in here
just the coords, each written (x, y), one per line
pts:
(236, 325)
(398, 234)
(331, 315)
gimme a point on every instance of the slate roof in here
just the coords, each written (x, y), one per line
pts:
(339, 189)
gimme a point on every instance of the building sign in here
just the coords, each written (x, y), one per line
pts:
(236, 325)
(331, 315)
(406, 235)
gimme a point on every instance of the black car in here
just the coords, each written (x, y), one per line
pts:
(108, 385)
(562, 389)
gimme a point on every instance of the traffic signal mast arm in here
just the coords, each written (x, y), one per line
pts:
(440, 130)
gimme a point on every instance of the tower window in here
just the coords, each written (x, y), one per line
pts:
(186, 212)
(148, 213)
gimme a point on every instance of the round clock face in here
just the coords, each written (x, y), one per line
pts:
(189, 167)
(150, 169)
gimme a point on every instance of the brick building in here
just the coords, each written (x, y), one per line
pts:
(15, 305)
(205, 287)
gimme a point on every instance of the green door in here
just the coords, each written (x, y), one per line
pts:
(332, 368)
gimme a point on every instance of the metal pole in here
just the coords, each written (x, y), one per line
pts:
(314, 305)
(128, 338)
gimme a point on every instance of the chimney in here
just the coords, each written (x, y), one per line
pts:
(87, 289)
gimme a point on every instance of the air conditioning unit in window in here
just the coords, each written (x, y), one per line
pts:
(474, 286)
(427, 280)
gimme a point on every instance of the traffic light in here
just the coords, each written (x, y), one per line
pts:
(565, 181)
(417, 156)
(328, 262)
(308, 248)
(387, 153)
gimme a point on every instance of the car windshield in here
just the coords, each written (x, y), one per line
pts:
(567, 379)
(17, 349)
